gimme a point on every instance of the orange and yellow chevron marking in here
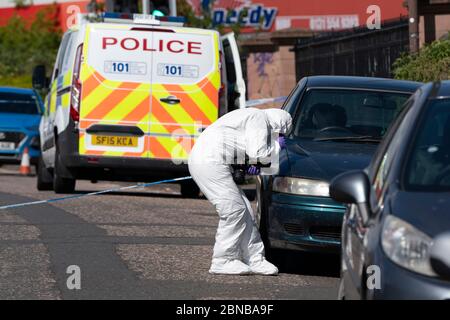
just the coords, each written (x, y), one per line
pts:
(139, 113)
(174, 145)
(158, 150)
(140, 154)
(82, 147)
(191, 106)
(116, 97)
(162, 116)
(92, 82)
(199, 104)
(112, 102)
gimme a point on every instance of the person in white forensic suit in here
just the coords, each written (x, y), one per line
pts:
(245, 136)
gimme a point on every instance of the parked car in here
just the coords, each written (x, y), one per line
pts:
(337, 124)
(20, 114)
(398, 222)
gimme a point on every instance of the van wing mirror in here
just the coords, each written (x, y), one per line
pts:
(353, 187)
(439, 255)
(39, 78)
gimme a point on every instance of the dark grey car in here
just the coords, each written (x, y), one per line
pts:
(396, 232)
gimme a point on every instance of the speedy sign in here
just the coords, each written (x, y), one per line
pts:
(253, 16)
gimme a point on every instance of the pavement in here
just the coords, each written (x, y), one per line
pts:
(142, 244)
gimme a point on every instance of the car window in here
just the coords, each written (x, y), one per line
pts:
(59, 60)
(379, 155)
(388, 157)
(18, 103)
(428, 167)
(341, 113)
(292, 100)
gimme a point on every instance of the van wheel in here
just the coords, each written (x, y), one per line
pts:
(44, 176)
(189, 189)
(61, 184)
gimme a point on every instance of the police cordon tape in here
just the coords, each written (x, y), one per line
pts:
(258, 102)
(249, 103)
(136, 186)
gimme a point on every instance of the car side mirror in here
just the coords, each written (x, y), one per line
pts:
(440, 257)
(39, 78)
(352, 187)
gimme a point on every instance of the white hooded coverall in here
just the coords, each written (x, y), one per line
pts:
(244, 131)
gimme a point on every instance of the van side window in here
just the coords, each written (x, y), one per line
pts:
(69, 53)
(59, 59)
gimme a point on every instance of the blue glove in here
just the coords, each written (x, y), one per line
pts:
(282, 142)
(253, 170)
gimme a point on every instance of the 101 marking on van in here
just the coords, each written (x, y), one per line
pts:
(128, 67)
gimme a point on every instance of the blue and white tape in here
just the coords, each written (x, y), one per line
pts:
(139, 185)
(258, 102)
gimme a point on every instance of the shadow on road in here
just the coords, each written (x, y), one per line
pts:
(304, 263)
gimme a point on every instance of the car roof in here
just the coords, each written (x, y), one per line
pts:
(440, 89)
(17, 90)
(363, 83)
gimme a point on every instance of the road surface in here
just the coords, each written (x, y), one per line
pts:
(144, 244)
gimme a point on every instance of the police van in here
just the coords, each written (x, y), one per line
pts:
(128, 97)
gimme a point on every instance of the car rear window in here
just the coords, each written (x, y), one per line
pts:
(18, 103)
(341, 113)
(428, 167)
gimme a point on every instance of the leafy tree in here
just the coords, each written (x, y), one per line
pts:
(205, 19)
(25, 44)
(431, 63)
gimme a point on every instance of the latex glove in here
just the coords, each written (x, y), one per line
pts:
(282, 142)
(253, 170)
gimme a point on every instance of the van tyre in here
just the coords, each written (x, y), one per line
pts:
(61, 184)
(44, 176)
(189, 189)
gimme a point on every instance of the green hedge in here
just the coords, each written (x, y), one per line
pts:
(431, 63)
(25, 44)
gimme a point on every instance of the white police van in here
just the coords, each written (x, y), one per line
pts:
(128, 97)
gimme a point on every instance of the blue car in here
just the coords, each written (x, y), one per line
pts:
(338, 123)
(20, 115)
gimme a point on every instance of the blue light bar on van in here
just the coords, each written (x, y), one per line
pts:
(172, 19)
(117, 15)
(140, 18)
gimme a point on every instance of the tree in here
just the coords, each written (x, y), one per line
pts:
(204, 19)
(431, 63)
(24, 45)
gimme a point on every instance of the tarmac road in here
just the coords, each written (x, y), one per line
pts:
(143, 244)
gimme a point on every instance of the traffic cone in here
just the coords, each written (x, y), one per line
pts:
(25, 168)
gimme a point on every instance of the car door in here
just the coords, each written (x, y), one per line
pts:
(114, 112)
(354, 241)
(184, 91)
(236, 88)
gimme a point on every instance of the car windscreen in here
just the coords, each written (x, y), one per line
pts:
(346, 114)
(11, 102)
(428, 167)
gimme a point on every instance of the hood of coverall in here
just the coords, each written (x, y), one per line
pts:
(279, 120)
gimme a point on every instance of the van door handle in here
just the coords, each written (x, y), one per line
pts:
(170, 100)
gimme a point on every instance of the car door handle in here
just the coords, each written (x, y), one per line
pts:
(170, 100)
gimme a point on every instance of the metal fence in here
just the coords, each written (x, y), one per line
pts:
(359, 52)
